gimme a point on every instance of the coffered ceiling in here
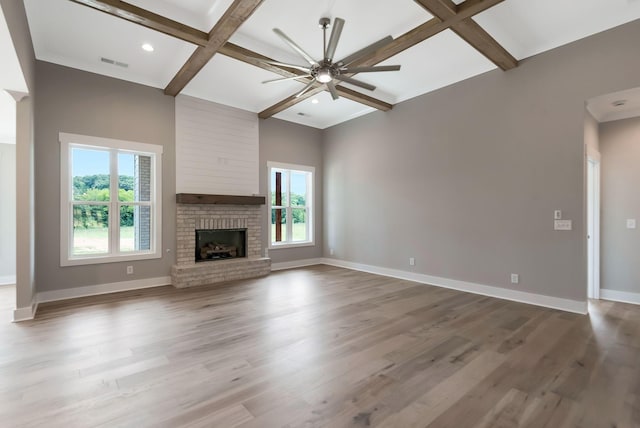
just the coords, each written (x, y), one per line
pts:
(72, 34)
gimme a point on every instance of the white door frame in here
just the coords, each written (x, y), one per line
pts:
(593, 225)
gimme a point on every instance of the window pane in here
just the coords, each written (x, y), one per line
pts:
(135, 228)
(134, 177)
(299, 217)
(298, 189)
(90, 174)
(278, 225)
(125, 177)
(90, 229)
(278, 187)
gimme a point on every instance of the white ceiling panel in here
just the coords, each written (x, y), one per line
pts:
(228, 81)
(200, 14)
(527, 28)
(76, 36)
(435, 63)
(325, 113)
(615, 106)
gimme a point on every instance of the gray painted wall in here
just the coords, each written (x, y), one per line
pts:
(16, 18)
(620, 172)
(77, 102)
(288, 142)
(466, 179)
(8, 213)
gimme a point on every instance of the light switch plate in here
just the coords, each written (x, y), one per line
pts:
(631, 223)
(563, 225)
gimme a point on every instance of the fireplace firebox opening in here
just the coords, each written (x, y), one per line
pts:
(220, 244)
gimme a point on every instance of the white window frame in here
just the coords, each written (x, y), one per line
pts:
(289, 223)
(68, 141)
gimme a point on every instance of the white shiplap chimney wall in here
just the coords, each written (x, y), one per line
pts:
(217, 148)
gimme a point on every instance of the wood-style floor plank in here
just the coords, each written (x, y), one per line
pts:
(318, 347)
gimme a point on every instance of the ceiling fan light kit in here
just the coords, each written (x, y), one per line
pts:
(326, 71)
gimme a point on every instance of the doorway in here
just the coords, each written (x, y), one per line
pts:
(7, 205)
(593, 226)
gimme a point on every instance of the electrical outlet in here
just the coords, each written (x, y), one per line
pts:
(515, 278)
(631, 223)
(412, 261)
(129, 270)
(562, 225)
(557, 215)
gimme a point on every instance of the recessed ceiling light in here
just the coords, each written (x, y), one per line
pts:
(619, 103)
(315, 101)
(147, 47)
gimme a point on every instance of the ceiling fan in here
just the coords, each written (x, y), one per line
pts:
(326, 71)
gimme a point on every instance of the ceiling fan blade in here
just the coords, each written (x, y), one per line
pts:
(284, 79)
(370, 69)
(334, 92)
(355, 82)
(294, 46)
(306, 88)
(282, 64)
(362, 52)
(338, 23)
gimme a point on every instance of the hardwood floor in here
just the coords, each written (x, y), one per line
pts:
(319, 346)
(7, 303)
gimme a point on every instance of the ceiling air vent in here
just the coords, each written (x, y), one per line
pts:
(113, 62)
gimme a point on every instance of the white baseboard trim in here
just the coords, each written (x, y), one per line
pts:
(8, 280)
(567, 305)
(295, 264)
(26, 313)
(620, 296)
(94, 290)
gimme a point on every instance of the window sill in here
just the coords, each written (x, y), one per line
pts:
(96, 260)
(291, 245)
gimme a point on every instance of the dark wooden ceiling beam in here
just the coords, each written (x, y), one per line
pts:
(233, 18)
(425, 31)
(290, 101)
(247, 56)
(342, 91)
(471, 32)
(137, 15)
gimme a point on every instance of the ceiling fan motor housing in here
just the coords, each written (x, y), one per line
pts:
(324, 72)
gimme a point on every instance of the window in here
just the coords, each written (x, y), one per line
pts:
(110, 200)
(290, 205)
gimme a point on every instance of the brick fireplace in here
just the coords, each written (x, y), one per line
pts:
(217, 212)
